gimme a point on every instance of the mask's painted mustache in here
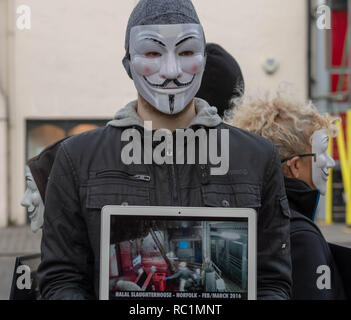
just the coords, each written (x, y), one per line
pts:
(168, 81)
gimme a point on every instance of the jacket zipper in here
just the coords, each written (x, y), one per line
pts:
(174, 184)
(174, 177)
(121, 174)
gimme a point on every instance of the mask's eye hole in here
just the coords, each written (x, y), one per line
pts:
(153, 54)
(186, 53)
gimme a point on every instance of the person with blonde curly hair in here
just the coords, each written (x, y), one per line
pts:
(301, 136)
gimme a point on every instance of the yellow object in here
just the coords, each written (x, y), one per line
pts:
(345, 171)
(329, 194)
(348, 138)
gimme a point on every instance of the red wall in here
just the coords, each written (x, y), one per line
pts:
(339, 30)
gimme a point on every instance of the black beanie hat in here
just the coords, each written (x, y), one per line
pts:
(222, 79)
(153, 12)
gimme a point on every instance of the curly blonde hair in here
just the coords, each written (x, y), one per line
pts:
(283, 120)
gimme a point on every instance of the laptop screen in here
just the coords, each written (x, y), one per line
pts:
(182, 257)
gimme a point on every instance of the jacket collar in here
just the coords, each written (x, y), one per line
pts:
(302, 198)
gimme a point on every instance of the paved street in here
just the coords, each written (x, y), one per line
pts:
(337, 233)
(21, 241)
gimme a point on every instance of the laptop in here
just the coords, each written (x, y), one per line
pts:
(177, 253)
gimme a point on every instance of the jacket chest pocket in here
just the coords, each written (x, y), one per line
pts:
(115, 191)
(231, 196)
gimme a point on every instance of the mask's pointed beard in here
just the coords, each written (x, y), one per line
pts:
(171, 103)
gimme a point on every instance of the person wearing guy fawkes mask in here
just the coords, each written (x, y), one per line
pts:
(165, 57)
(301, 135)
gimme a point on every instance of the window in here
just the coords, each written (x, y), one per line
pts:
(41, 133)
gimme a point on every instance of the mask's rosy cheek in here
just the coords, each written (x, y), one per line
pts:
(193, 65)
(36, 198)
(144, 66)
(321, 161)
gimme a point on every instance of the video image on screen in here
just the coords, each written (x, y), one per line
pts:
(178, 259)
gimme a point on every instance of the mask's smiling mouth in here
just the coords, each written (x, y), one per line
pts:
(168, 81)
(326, 172)
(31, 213)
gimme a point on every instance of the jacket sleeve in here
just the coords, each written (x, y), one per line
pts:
(274, 277)
(308, 252)
(66, 269)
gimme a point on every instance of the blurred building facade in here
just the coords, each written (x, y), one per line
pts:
(64, 75)
(329, 89)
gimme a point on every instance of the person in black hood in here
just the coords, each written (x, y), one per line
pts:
(301, 136)
(222, 80)
(36, 175)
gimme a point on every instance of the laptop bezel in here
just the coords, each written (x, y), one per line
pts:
(188, 212)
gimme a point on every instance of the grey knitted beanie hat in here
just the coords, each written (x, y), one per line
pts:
(158, 12)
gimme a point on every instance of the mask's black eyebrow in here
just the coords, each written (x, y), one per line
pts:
(28, 179)
(157, 41)
(181, 41)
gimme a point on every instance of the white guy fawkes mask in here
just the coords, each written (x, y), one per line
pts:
(322, 162)
(167, 63)
(33, 202)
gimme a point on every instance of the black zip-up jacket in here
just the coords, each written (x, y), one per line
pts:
(309, 249)
(88, 174)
